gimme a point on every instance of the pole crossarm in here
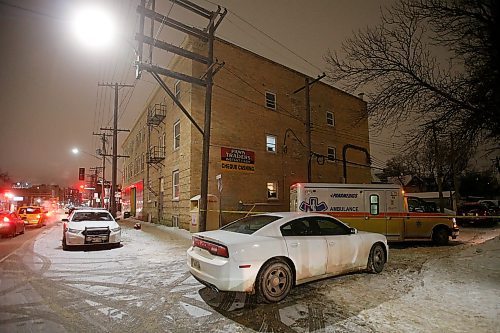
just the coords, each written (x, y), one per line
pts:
(112, 129)
(143, 11)
(310, 83)
(171, 48)
(177, 102)
(193, 7)
(167, 72)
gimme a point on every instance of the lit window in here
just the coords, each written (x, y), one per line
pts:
(272, 190)
(331, 154)
(270, 100)
(175, 185)
(374, 204)
(271, 143)
(330, 119)
(177, 135)
(177, 89)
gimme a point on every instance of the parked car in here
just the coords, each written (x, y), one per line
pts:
(11, 224)
(271, 253)
(88, 227)
(475, 213)
(32, 215)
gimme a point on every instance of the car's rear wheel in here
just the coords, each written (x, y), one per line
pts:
(440, 236)
(274, 281)
(377, 259)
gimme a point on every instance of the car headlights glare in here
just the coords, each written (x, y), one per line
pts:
(73, 231)
(116, 229)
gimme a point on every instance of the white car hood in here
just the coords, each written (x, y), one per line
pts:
(92, 224)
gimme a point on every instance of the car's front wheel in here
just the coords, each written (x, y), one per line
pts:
(440, 236)
(377, 259)
(64, 245)
(274, 281)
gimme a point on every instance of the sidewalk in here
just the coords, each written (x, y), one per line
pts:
(154, 228)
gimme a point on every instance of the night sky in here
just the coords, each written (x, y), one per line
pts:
(49, 99)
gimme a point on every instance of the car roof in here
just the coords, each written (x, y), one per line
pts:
(86, 210)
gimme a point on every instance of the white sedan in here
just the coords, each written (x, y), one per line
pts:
(90, 227)
(271, 253)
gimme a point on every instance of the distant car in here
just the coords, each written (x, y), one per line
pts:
(32, 215)
(11, 224)
(475, 213)
(271, 253)
(87, 227)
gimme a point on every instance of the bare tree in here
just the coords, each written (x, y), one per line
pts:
(434, 62)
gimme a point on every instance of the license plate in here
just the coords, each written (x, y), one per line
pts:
(96, 239)
(195, 264)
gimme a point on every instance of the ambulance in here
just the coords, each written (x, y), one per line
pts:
(381, 208)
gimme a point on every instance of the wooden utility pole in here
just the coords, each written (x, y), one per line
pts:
(103, 154)
(439, 167)
(306, 86)
(115, 130)
(208, 36)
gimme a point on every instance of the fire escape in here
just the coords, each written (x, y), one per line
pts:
(155, 153)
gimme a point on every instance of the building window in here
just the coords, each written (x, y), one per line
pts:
(177, 89)
(272, 190)
(270, 100)
(175, 185)
(271, 143)
(374, 204)
(177, 134)
(330, 119)
(331, 155)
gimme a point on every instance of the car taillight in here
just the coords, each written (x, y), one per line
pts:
(6, 219)
(213, 248)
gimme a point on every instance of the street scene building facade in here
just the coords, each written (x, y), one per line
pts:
(258, 146)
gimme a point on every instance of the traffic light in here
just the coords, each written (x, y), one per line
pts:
(81, 174)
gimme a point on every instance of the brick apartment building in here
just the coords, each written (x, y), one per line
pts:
(258, 140)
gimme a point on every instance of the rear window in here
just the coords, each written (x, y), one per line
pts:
(91, 216)
(29, 210)
(250, 224)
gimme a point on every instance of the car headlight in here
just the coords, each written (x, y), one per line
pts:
(116, 229)
(73, 231)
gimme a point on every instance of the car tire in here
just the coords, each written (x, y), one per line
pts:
(64, 245)
(377, 259)
(440, 236)
(274, 281)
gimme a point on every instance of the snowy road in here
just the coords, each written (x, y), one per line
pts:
(144, 286)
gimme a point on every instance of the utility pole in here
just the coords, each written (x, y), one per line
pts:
(206, 35)
(103, 154)
(439, 170)
(115, 131)
(306, 86)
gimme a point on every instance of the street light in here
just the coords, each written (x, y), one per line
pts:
(93, 26)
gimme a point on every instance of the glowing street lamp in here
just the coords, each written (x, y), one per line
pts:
(93, 26)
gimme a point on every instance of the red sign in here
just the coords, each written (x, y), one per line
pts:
(234, 159)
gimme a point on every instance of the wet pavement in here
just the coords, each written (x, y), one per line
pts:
(144, 286)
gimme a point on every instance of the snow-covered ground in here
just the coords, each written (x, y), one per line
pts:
(144, 286)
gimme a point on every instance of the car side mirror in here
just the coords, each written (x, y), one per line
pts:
(65, 220)
(353, 231)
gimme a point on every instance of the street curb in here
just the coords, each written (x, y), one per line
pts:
(171, 230)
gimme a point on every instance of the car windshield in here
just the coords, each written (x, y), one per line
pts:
(91, 216)
(250, 224)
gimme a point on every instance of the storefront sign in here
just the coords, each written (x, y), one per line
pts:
(239, 160)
